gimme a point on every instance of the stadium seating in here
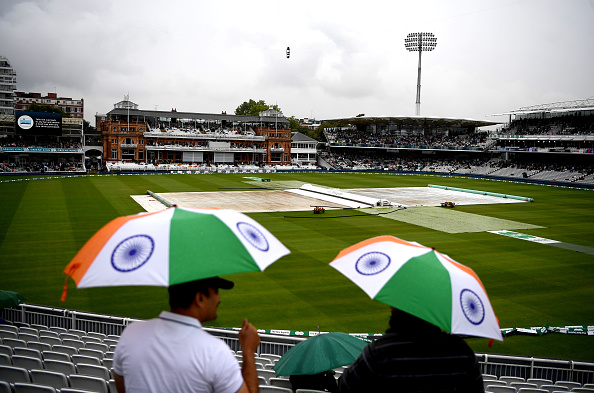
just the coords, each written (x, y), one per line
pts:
(92, 352)
(280, 382)
(308, 391)
(8, 334)
(73, 343)
(40, 346)
(274, 389)
(12, 374)
(93, 371)
(5, 387)
(55, 368)
(539, 382)
(100, 336)
(48, 333)
(65, 349)
(5, 349)
(14, 342)
(9, 328)
(500, 389)
(31, 352)
(29, 330)
(568, 384)
(50, 340)
(267, 374)
(32, 388)
(510, 379)
(5, 360)
(26, 362)
(49, 378)
(66, 368)
(553, 388)
(94, 384)
(52, 355)
(83, 359)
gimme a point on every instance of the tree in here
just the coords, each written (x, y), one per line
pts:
(34, 107)
(297, 127)
(253, 108)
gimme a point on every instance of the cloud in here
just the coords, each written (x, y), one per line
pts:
(346, 58)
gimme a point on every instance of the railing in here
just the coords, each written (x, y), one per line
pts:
(499, 365)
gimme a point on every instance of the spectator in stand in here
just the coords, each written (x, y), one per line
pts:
(414, 356)
(172, 353)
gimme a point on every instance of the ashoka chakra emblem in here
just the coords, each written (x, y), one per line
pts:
(372, 263)
(253, 236)
(132, 253)
(472, 307)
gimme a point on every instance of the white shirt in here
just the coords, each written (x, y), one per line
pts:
(173, 354)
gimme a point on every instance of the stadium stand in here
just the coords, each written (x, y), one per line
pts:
(73, 369)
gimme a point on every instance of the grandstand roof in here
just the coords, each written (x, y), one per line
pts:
(299, 137)
(196, 116)
(563, 106)
(417, 121)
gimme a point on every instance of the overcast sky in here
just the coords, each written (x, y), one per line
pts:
(347, 57)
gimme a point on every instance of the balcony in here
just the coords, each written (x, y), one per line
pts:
(129, 145)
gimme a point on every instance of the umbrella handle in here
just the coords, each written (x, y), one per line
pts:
(65, 290)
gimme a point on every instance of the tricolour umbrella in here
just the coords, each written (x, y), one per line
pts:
(10, 299)
(421, 282)
(174, 246)
(320, 353)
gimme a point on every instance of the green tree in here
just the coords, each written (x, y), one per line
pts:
(47, 108)
(296, 127)
(253, 108)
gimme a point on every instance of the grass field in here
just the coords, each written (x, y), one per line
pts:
(44, 222)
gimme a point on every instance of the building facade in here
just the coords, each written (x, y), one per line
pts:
(74, 107)
(7, 87)
(303, 149)
(159, 137)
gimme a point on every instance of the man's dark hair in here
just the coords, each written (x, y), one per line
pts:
(182, 295)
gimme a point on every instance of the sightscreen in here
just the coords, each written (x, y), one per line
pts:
(38, 123)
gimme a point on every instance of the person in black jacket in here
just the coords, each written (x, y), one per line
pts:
(414, 356)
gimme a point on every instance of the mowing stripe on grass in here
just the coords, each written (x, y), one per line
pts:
(542, 240)
(450, 221)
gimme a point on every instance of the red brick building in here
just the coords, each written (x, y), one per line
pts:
(133, 135)
(75, 107)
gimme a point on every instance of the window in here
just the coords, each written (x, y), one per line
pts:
(114, 141)
(286, 157)
(114, 154)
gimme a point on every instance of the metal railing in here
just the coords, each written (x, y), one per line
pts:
(499, 365)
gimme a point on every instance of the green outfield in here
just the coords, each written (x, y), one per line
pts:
(44, 222)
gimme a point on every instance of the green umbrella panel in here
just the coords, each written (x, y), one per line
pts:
(10, 299)
(320, 353)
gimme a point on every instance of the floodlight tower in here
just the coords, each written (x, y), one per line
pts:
(419, 42)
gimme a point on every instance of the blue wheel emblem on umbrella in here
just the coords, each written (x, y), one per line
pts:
(372, 263)
(472, 307)
(253, 236)
(132, 253)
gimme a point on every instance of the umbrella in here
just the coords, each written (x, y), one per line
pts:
(320, 353)
(10, 299)
(421, 282)
(174, 246)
